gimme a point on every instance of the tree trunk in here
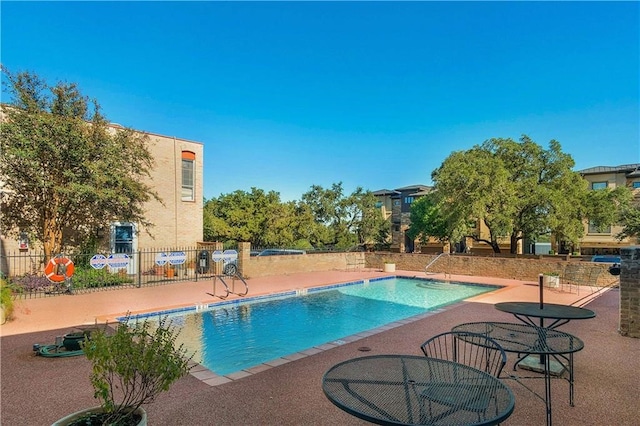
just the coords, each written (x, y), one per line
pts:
(52, 233)
(514, 244)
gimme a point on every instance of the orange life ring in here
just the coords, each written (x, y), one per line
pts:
(58, 269)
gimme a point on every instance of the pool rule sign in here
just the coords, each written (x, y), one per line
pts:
(98, 261)
(226, 256)
(118, 261)
(115, 261)
(173, 258)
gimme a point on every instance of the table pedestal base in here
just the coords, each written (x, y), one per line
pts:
(532, 363)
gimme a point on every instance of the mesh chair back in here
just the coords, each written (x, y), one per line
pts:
(472, 349)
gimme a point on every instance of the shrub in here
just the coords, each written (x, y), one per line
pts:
(30, 282)
(6, 299)
(92, 278)
(132, 366)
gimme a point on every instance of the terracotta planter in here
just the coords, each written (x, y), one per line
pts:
(170, 273)
(65, 421)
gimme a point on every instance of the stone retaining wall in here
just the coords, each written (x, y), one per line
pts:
(630, 292)
(519, 268)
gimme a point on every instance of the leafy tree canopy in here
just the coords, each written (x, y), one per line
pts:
(517, 189)
(325, 217)
(427, 220)
(352, 219)
(64, 170)
(630, 217)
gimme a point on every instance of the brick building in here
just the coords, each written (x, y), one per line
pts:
(177, 177)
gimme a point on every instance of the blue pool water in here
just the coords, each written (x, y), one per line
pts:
(236, 336)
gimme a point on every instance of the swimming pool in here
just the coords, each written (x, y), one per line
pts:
(236, 335)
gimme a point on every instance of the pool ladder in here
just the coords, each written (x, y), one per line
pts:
(426, 268)
(229, 289)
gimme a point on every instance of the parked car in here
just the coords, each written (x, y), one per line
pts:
(230, 268)
(606, 258)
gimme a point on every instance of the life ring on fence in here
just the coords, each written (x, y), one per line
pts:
(58, 269)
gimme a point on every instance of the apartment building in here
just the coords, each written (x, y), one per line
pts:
(396, 205)
(599, 241)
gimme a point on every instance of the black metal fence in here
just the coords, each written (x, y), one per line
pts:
(25, 271)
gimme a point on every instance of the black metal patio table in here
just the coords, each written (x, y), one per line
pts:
(414, 390)
(526, 339)
(528, 312)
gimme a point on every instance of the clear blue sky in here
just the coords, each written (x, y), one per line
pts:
(286, 95)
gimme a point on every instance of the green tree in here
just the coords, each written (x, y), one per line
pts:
(630, 219)
(64, 170)
(351, 220)
(240, 215)
(607, 206)
(517, 189)
(427, 220)
(365, 218)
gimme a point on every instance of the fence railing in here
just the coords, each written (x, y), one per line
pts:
(24, 271)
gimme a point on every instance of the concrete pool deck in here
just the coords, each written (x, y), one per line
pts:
(38, 390)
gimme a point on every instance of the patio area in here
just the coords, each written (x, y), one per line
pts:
(37, 391)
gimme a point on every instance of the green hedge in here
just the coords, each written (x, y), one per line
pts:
(92, 278)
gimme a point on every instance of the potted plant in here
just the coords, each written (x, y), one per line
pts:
(169, 271)
(6, 301)
(191, 267)
(130, 367)
(389, 266)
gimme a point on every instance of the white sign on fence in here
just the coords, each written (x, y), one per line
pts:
(118, 260)
(177, 257)
(226, 256)
(98, 261)
(173, 258)
(161, 259)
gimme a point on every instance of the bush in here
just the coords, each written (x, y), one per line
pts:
(30, 283)
(93, 278)
(6, 299)
(132, 366)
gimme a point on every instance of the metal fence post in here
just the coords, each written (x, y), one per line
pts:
(139, 268)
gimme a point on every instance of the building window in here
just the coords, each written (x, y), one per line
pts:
(598, 185)
(636, 185)
(408, 200)
(396, 203)
(188, 175)
(594, 230)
